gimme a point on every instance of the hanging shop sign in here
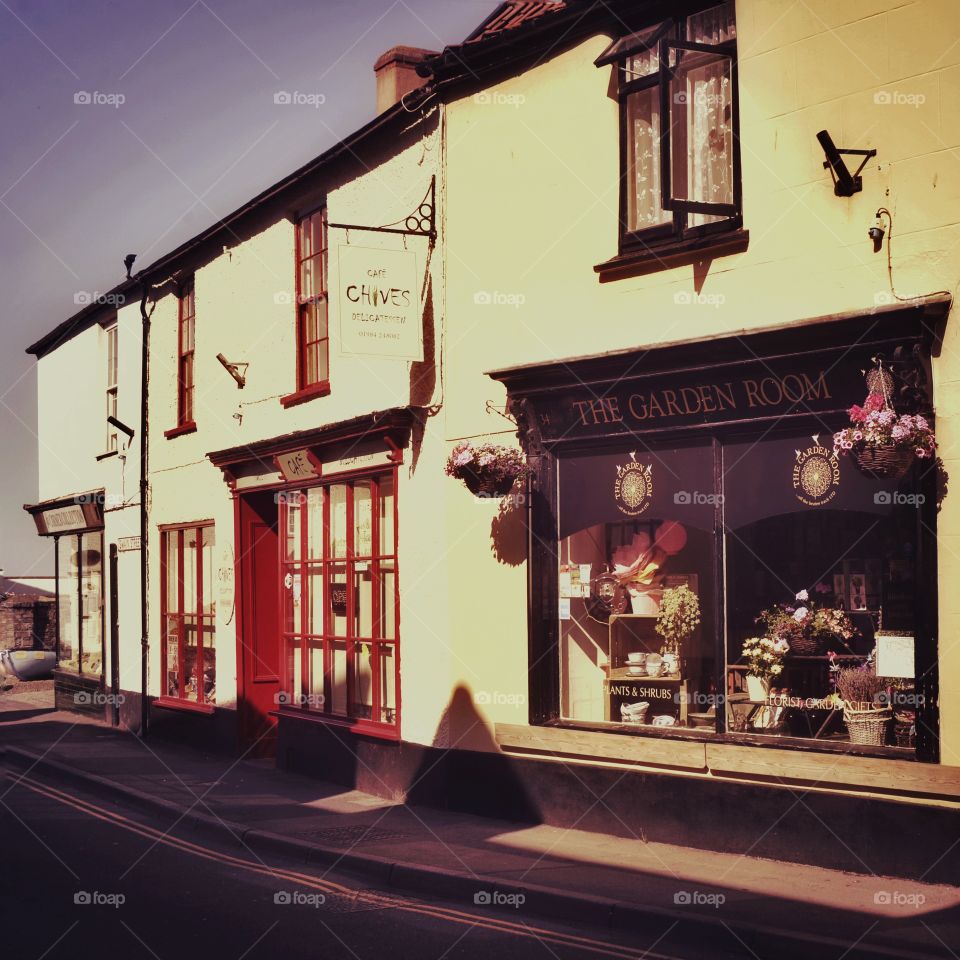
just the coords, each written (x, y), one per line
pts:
(84, 512)
(378, 298)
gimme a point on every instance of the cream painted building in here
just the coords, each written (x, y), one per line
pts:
(673, 327)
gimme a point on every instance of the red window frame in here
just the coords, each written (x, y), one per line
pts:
(313, 346)
(176, 622)
(186, 350)
(297, 640)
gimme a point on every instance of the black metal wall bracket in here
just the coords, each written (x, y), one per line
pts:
(421, 222)
(845, 184)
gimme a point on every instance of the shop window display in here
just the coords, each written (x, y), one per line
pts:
(80, 599)
(637, 587)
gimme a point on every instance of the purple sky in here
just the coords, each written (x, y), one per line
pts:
(198, 134)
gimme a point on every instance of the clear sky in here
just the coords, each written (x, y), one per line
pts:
(196, 135)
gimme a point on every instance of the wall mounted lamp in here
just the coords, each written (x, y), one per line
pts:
(845, 183)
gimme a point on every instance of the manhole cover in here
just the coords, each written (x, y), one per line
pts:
(348, 836)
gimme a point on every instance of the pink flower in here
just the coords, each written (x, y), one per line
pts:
(920, 452)
(899, 431)
(463, 458)
(874, 402)
(857, 435)
(857, 413)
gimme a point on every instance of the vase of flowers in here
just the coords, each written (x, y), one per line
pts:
(678, 617)
(487, 469)
(866, 707)
(764, 657)
(805, 626)
(882, 443)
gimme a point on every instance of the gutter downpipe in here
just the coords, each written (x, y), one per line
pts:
(144, 520)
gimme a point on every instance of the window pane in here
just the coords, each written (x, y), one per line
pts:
(190, 570)
(338, 601)
(293, 503)
(714, 25)
(191, 676)
(701, 129)
(315, 538)
(388, 593)
(388, 682)
(362, 599)
(315, 698)
(362, 518)
(338, 519)
(309, 279)
(67, 584)
(825, 559)
(290, 678)
(209, 591)
(315, 600)
(363, 673)
(338, 677)
(186, 335)
(387, 545)
(638, 539)
(643, 161)
(172, 665)
(170, 541)
(209, 661)
(292, 589)
(91, 593)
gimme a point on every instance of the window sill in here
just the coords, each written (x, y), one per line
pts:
(180, 430)
(674, 254)
(187, 706)
(109, 453)
(320, 389)
(366, 728)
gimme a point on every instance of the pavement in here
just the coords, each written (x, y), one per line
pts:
(773, 909)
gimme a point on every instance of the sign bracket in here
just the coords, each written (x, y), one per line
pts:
(420, 222)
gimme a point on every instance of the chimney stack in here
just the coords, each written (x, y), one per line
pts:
(396, 73)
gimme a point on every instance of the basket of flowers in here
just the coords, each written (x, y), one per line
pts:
(487, 469)
(806, 626)
(881, 442)
(678, 617)
(866, 709)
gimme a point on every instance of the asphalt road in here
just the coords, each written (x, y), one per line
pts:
(81, 877)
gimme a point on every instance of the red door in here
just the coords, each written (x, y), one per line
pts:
(259, 654)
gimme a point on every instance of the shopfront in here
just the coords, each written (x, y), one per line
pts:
(318, 617)
(77, 528)
(706, 566)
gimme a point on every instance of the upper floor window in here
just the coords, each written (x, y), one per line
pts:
(313, 352)
(185, 350)
(679, 128)
(112, 366)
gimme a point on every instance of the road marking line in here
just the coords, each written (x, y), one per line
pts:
(449, 914)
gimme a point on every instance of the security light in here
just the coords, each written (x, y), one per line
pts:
(845, 184)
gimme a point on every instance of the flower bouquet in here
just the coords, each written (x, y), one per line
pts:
(764, 657)
(679, 616)
(807, 626)
(881, 442)
(488, 469)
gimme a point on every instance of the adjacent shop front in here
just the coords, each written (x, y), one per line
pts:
(705, 565)
(76, 525)
(318, 602)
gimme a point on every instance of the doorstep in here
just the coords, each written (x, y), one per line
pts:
(906, 780)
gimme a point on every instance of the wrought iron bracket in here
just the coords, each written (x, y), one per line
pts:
(420, 222)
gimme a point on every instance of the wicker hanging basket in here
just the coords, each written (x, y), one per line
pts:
(882, 461)
(807, 645)
(868, 726)
(485, 485)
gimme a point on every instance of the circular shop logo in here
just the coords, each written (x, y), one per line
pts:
(633, 487)
(816, 475)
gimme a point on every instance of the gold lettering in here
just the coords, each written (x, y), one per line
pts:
(613, 406)
(686, 393)
(819, 390)
(725, 393)
(637, 403)
(581, 406)
(655, 403)
(671, 398)
(753, 398)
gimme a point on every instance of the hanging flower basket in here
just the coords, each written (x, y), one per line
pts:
(882, 461)
(487, 469)
(806, 627)
(882, 443)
